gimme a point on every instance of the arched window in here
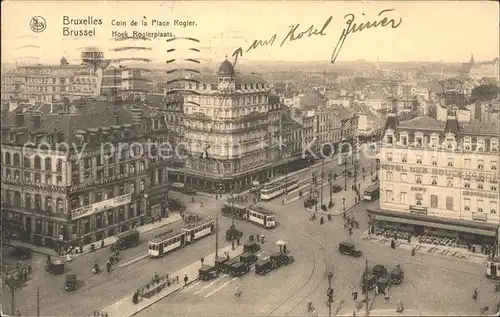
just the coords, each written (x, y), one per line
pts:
(8, 159)
(59, 165)
(27, 162)
(48, 164)
(38, 162)
(17, 159)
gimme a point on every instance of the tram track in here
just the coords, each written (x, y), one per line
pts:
(299, 289)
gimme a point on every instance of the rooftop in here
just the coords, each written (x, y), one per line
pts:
(424, 123)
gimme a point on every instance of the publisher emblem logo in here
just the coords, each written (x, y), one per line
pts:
(38, 24)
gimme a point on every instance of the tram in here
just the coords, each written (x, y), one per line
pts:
(254, 214)
(174, 240)
(276, 189)
(261, 216)
(493, 269)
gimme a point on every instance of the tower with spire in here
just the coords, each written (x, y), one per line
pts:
(471, 62)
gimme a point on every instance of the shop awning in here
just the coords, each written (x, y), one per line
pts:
(491, 233)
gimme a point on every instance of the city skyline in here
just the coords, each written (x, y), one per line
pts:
(411, 41)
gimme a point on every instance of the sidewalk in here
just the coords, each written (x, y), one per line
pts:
(406, 312)
(431, 249)
(125, 307)
(173, 217)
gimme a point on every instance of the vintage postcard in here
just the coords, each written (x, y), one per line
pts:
(250, 158)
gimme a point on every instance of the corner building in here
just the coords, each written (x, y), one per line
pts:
(234, 119)
(440, 178)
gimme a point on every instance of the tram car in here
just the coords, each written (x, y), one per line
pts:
(261, 216)
(233, 210)
(176, 239)
(276, 189)
(493, 269)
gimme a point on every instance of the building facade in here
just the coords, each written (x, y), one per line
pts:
(122, 81)
(231, 132)
(440, 178)
(57, 196)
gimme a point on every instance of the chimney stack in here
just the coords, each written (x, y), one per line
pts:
(37, 121)
(19, 119)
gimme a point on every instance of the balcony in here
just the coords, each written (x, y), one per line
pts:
(479, 216)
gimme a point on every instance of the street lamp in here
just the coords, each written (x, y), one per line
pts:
(330, 182)
(345, 174)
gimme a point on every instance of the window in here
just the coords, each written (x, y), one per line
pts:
(467, 144)
(449, 203)
(141, 185)
(404, 140)
(493, 166)
(48, 164)
(467, 203)
(403, 197)
(48, 179)
(418, 179)
(480, 206)
(434, 201)
(59, 165)
(17, 159)
(493, 207)
(132, 187)
(467, 185)
(434, 160)
(111, 171)
(389, 157)
(132, 168)
(390, 139)
(493, 187)
(480, 186)
(388, 176)
(418, 198)
(467, 163)
(450, 162)
(141, 166)
(27, 176)
(99, 160)
(388, 195)
(404, 177)
(38, 162)
(449, 181)
(480, 164)
(434, 142)
(434, 180)
(98, 197)
(404, 158)
(419, 141)
(86, 162)
(419, 159)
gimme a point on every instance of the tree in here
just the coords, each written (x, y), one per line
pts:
(486, 92)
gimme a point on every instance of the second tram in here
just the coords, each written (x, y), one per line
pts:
(174, 240)
(255, 214)
(276, 189)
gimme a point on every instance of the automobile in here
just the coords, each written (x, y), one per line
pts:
(126, 240)
(383, 283)
(397, 275)
(336, 188)
(207, 272)
(219, 263)
(71, 282)
(227, 265)
(248, 258)
(55, 267)
(278, 259)
(251, 247)
(379, 271)
(238, 268)
(349, 249)
(263, 266)
(310, 202)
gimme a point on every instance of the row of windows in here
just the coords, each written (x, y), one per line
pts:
(192, 86)
(434, 202)
(201, 228)
(122, 168)
(450, 181)
(84, 199)
(33, 202)
(260, 216)
(421, 141)
(467, 162)
(36, 177)
(15, 160)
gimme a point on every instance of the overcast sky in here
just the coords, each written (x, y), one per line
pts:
(430, 31)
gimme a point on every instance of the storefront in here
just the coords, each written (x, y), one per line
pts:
(465, 231)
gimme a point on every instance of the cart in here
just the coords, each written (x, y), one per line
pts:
(71, 282)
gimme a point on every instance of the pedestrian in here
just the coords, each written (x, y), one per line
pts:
(185, 279)
(284, 248)
(238, 241)
(29, 269)
(350, 231)
(376, 289)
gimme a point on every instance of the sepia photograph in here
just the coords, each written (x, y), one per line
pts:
(250, 158)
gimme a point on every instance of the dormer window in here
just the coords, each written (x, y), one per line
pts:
(419, 141)
(434, 142)
(390, 139)
(494, 145)
(404, 140)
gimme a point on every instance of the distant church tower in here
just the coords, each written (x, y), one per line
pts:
(471, 59)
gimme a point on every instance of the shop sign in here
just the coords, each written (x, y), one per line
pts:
(479, 194)
(34, 184)
(418, 209)
(76, 157)
(419, 189)
(98, 182)
(479, 216)
(465, 174)
(102, 205)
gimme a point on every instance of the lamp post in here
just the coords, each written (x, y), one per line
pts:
(345, 174)
(330, 182)
(329, 294)
(322, 178)
(314, 185)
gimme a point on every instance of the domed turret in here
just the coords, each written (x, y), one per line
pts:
(226, 69)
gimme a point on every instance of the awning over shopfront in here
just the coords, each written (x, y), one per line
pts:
(485, 229)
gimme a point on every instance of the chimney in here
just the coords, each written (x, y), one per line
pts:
(116, 119)
(19, 119)
(37, 121)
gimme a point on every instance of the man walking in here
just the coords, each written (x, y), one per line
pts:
(185, 279)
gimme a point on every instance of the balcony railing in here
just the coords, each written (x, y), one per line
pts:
(479, 216)
(418, 209)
